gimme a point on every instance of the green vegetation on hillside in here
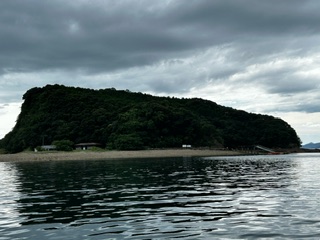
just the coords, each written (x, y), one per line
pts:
(126, 120)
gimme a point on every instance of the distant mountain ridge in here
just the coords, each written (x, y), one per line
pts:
(125, 120)
(311, 145)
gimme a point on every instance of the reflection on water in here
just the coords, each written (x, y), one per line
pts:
(9, 195)
(184, 198)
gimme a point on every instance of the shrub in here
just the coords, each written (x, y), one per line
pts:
(63, 145)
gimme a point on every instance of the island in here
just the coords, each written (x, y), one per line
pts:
(124, 120)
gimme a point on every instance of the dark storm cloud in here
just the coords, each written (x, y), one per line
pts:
(248, 16)
(108, 35)
(93, 35)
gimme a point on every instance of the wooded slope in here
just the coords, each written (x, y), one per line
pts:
(126, 120)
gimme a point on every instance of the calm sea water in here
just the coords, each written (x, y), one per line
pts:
(255, 197)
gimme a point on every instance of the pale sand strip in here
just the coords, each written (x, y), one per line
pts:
(91, 155)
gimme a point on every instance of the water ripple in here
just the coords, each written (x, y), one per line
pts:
(181, 198)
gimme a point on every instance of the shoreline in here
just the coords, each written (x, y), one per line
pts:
(107, 155)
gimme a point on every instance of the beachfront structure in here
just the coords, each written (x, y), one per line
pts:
(86, 146)
(48, 147)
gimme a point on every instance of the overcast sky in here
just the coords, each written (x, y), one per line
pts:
(259, 56)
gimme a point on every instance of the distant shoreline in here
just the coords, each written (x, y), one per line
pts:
(105, 155)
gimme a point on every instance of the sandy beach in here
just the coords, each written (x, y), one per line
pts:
(92, 155)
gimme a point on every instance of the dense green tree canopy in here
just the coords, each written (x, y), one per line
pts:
(126, 120)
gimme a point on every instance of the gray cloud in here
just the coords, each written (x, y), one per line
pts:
(103, 35)
(303, 107)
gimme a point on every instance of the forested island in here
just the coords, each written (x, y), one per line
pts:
(123, 120)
